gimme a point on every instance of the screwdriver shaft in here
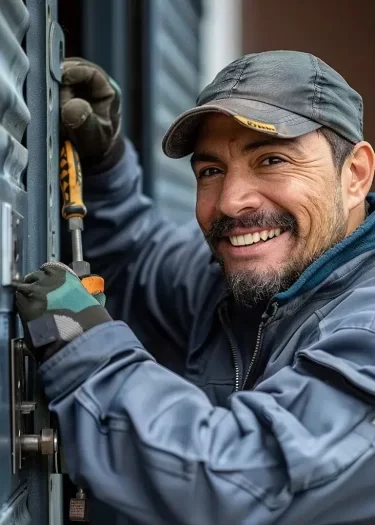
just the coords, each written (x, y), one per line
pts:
(77, 245)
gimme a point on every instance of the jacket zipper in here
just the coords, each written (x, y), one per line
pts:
(233, 349)
(256, 352)
(235, 359)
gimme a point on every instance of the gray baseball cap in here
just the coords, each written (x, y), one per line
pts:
(281, 93)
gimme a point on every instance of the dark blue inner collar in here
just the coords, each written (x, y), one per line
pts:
(360, 241)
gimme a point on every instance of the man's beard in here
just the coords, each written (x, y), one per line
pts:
(252, 287)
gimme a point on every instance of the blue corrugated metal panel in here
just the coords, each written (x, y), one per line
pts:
(14, 117)
(173, 75)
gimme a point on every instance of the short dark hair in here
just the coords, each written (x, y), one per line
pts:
(341, 148)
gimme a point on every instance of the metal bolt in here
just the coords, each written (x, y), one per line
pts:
(30, 443)
(45, 443)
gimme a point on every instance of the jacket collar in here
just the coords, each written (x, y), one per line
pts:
(362, 240)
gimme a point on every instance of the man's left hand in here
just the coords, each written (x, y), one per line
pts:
(55, 308)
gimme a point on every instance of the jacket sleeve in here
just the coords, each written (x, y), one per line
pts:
(153, 270)
(298, 449)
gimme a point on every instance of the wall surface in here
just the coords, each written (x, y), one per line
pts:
(221, 36)
(340, 32)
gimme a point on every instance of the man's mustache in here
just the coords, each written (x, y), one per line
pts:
(224, 225)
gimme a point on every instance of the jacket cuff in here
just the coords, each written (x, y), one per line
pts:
(109, 161)
(118, 178)
(70, 367)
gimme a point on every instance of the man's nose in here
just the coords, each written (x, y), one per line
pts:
(239, 194)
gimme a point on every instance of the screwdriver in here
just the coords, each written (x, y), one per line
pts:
(74, 211)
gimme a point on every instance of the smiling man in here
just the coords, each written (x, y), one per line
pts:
(270, 322)
(252, 190)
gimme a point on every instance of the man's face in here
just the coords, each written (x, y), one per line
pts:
(267, 207)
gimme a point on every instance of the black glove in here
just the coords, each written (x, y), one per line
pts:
(55, 308)
(90, 103)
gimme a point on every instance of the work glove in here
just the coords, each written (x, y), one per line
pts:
(55, 308)
(90, 103)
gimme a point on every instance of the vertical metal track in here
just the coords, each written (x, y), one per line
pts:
(44, 48)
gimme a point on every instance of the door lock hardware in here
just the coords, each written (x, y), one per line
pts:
(46, 442)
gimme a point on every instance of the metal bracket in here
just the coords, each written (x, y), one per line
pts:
(46, 442)
(17, 378)
(11, 224)
(56, 51)
(55, 56)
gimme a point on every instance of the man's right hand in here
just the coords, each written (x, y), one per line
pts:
(90, 103)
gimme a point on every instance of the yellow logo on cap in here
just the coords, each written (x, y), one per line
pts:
(259, 126)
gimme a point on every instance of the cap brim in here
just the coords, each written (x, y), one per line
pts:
(180, 139)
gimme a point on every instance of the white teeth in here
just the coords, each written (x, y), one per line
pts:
(256, 237)
(251, 238)
(241, 240)
(248, 238)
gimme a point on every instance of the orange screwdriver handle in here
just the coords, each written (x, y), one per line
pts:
(93, 284)
(71, 182)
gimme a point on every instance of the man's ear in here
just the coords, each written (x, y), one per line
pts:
(358, 174)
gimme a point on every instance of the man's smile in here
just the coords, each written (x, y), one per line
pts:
(264, 243)
(252, 237)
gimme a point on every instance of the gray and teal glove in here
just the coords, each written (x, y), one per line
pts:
(90, 103)
(55, 308)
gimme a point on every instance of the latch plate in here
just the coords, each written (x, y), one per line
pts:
(11, 224)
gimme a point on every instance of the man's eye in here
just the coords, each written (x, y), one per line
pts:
(272, 161)
(209, 172)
